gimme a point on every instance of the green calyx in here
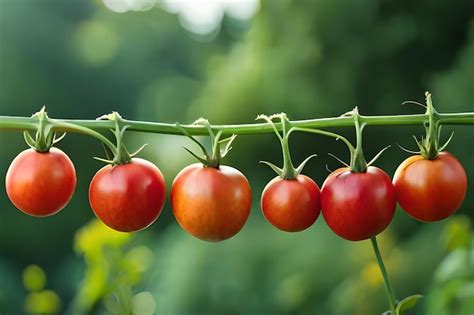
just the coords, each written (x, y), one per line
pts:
(45, 137)
(288, 171)
(117, 154)
(358, 162)
(219, 148)
(429, 146)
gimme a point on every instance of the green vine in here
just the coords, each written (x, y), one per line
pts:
(73, 125)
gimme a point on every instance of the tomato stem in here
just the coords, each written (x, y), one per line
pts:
(288, 171)
(431, 143)
(358, 161)
(388, 285)
(214, 158)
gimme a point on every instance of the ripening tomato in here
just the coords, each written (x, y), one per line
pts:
(41, 183)
(291, 204)
(210, 203)
(357, 206)
(128, 197)
(430, 190)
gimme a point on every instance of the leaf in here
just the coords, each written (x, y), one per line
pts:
(407, 304)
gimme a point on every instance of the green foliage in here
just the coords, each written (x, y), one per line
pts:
(113, 267)
(452, 290)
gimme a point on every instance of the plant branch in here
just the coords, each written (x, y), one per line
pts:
(29, 123)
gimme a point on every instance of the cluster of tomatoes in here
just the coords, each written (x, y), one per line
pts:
(213, 203)
(360, 205)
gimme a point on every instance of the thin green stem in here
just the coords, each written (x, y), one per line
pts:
(358, 162)
(325, 133)
(431, 142)
(289, 171)
(28, 123)
(70, 127)
(388, 285)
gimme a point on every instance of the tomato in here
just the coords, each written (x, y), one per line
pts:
(210, 203)
(291, 204)
(357, 206)
(430, 190)
(128, 197)
(41, 183)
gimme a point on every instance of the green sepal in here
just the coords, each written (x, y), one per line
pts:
(375, 158)
(29, 139)
(300, 167)
(121, 154)
(227, 147)
(430, 144)
(45, 137)
(112, 162)
(277, 170)
(200, 159)
(288, 171)
(61, 137)
(210, 159)
(140, 149)
(338, 159)
(447, 142)
(108, 153)
(186, 133)
(407, 150)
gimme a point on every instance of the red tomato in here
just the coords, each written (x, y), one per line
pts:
(357, 206)
(209, 203)
(430, 190)
(128, 197)
(291, 204)
(41, 184)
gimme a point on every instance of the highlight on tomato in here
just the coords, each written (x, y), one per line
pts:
(290, 201)
(129, 193)
(128, 197)
(41, 183)
(430, 190)
(211, 201)
(358, 205)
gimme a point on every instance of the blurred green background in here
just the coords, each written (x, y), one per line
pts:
(228, 61)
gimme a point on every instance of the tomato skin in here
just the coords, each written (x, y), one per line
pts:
(211, 204)
(357, 206)
(430, 190)
(41, 184)
(128, 197)
(291, 205)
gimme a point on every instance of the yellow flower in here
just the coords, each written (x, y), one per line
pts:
(94, 236)
(371, 275)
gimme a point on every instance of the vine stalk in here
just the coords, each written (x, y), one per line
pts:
(66, 125)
